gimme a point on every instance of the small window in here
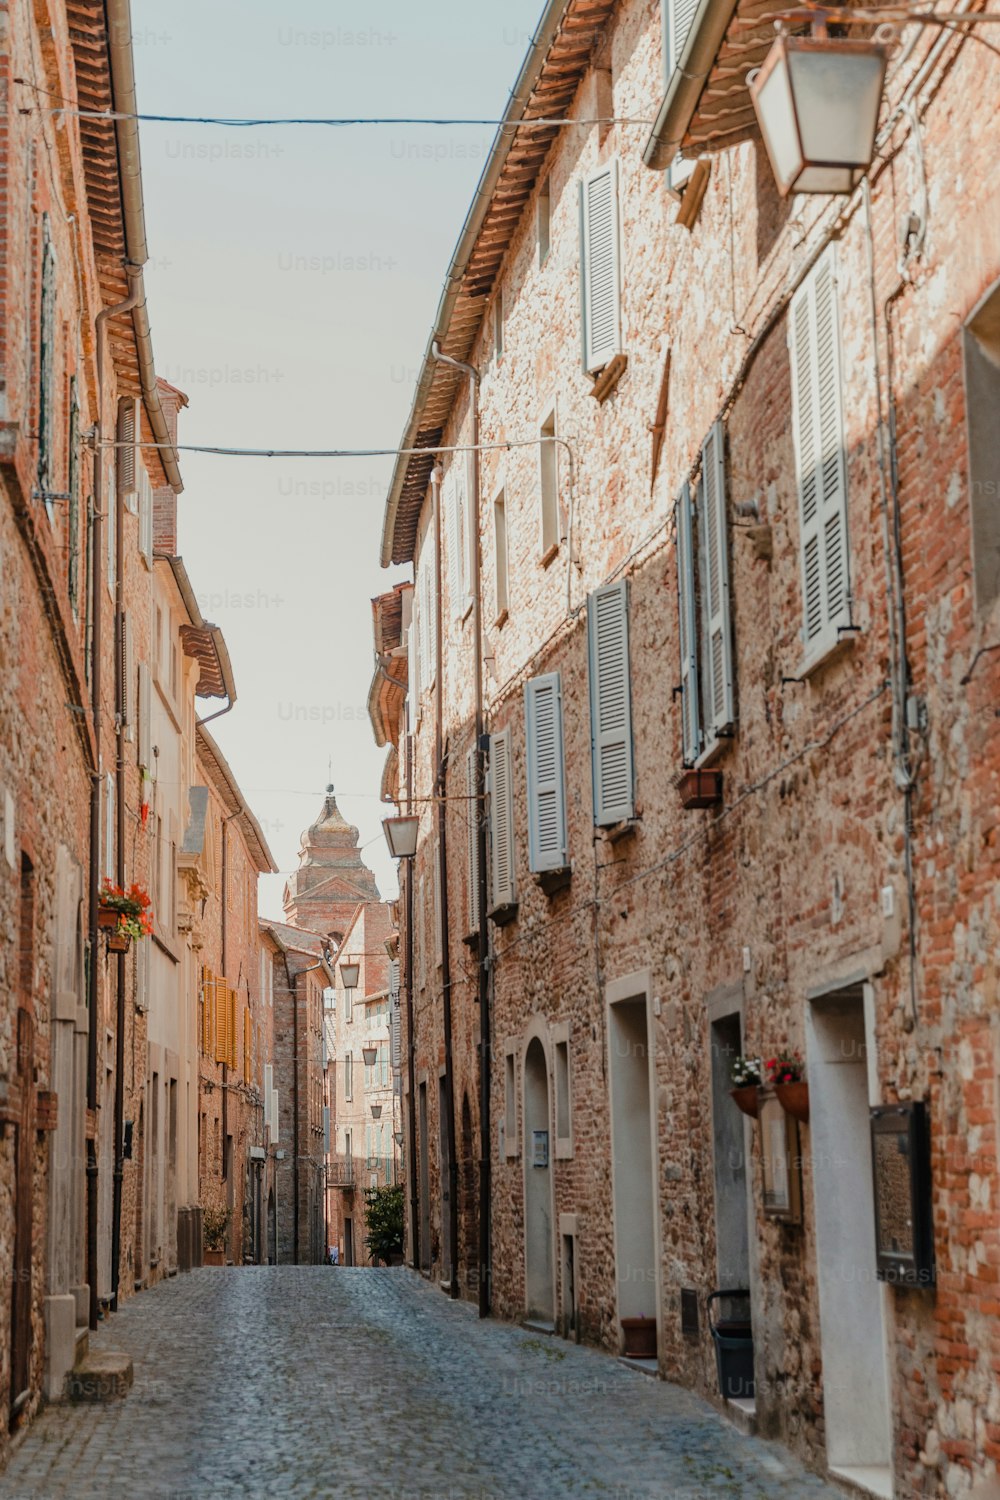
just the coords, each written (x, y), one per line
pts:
(500, 547)
(348, 1076)
(510, 1102)
(544, 221)
(548, 474)
(498, 324)
(564, 1115)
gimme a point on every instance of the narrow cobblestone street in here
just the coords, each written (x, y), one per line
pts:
(405, 1395)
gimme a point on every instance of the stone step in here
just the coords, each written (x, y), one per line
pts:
(82, 1344)
(100, 1376)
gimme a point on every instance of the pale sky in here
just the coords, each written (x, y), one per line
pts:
(293, 278)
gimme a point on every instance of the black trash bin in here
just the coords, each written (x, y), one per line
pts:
(733, 1336)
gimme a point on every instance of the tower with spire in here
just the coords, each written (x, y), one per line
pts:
(332, 880)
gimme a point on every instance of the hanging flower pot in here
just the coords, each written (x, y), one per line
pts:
(119, 942)
(107, 916)
(745, 1099)
(124, 915)
(794, 1099)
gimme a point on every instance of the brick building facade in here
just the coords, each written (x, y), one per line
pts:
(724, 497)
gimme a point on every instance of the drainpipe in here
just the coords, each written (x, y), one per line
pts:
(94, 873)
(440, 788)
(483, 947)
(411, 1066)
(120, 975)
(224, 956)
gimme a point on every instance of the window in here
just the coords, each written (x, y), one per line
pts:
(458, 524)
(501, 820)
(546, 785)
(158, 642)
(544, 220)
(436, 915)
(348, 1076)
(73, 490)
(510, 1135)
(144, 750)
(599, 268)
(383, 1055)
(708, 699)
(820, 468)
(126, 707)
(109, 826)
(427, 612)
(610, 705)
(109, 529)
(500, 552)
(145, 517)
(564, 1115)
(473, 814)
(981, 338)
(126, 433)
(413, 670)
(46, 370)
(498, 324)
(548, 483)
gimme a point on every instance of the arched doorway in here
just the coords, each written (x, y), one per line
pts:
(539, 1277)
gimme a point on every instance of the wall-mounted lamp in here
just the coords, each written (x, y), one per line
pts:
(401, 835)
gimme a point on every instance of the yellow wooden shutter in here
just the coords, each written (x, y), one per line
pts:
(221, 1017)
(233, 1043)
(246, 1045)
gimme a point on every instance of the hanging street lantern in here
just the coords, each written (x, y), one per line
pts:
(397, 1136)
(369, 1056)
(401, 835)
(350, 972)
(376, 1111)
(817, 101)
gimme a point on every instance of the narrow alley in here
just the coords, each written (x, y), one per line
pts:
(305, 1381)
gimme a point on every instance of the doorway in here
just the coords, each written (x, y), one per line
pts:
(425, 1186)
(348, 1242)
(539, 1276)
(732, 1236)
(272, 1231)
(852, 1303)
(632, 1159)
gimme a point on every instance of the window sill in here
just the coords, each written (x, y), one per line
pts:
(623, 829)
(501, 619)
(607, 379)
(549, 555)
(827, 652)
(553, 881)
(502, 916)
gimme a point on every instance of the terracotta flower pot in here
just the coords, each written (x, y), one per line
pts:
(107, 916)
(640, 1338)
(119, 942)
(213, 1257)
(745, 1099)
(794, 1099)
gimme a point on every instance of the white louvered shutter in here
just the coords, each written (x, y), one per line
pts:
(128, 677)
(145, 515)
(453, 523)
(144, 753)
(610, 704)
(438, 913)
(818, 432)
(395, 1015)
(677, 18)
(716, 604)
(268, 1084)
(599, 267)
(472, 843)
(502, 819)
(126, 436)
(274, 1117)
(546, 785)
(413, 668)
(690, 711)
(470, 523)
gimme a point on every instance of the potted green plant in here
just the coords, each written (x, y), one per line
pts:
(784, 1074)
(746, 1080)
(215, 1227)
(384, 1225)
(124, 915)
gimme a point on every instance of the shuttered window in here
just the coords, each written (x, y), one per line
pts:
(221, 1011)
(501, 820)
(73, 489)
(473, 814)
(818, 433)
(546, 782)
(427, 604)
(599, 267)
(717, 650)
(501, 591)
(268, 1083)
(128, 681)
(144, 751)
(395, 1017)
(274, 1117)
(610, 704)
(688, 634)
(145, 516)
(247, 1046)
(126, 436)
(677, 18)
(109, 826)
(454, 515)
(47, 370)
(548, 485)
(413, 668)
(437, 915)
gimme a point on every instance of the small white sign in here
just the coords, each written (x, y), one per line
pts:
(539, 1148)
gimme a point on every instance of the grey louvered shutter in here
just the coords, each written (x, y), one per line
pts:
(546, 785)
(599, 267)
(395, 1017)
(818, 433)
(127, 705)
(474, 813)
(144, 738)
(453, 525)
(413, 667)
(720, 698)
(127, 435)
(690, 710)
(610, 704)
(501, 820)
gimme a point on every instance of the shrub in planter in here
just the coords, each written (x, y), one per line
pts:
(215, 1227)
(384, 1224)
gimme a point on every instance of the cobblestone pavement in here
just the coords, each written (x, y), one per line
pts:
(315, 1381)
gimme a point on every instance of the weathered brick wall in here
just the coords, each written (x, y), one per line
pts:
(792, 867)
